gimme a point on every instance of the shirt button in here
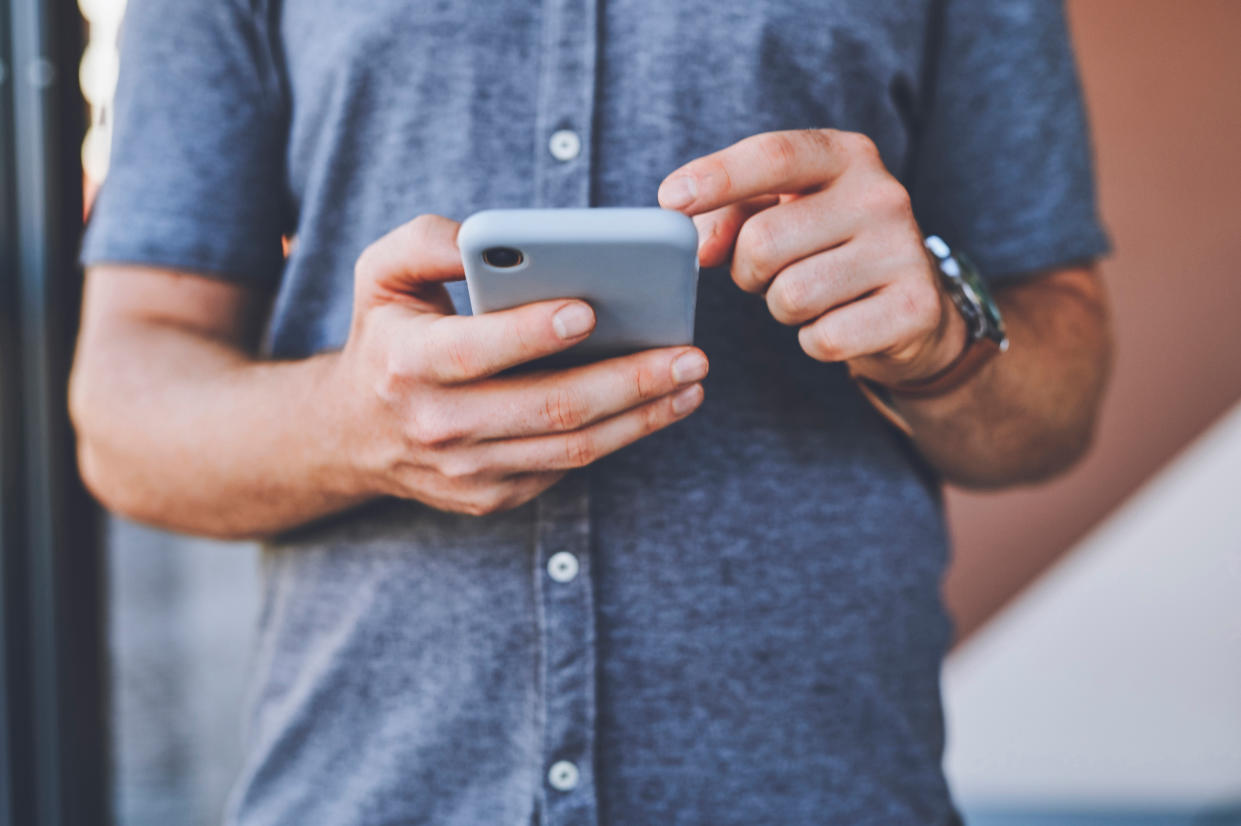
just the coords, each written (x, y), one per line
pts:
(562, 775)
(562, 566)
(565, 145)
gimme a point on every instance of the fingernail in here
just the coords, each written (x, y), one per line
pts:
(573, 321)
(689, 367)
(677, 192)
(687, 400)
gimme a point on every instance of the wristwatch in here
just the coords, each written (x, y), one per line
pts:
(985, 336)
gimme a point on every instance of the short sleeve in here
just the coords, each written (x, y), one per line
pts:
(1002, 166)
(195, 180)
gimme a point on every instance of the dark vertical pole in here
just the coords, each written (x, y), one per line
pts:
(55, 719)
(9, 433)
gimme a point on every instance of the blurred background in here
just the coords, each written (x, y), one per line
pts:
(1097, 677)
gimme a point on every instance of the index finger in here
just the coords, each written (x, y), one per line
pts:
(766, 164)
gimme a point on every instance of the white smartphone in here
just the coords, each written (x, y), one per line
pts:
(637, 267)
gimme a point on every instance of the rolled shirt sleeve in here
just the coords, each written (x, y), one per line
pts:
(1002, 165)
(196, 177)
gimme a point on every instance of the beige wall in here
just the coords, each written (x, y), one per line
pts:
(1161, 80)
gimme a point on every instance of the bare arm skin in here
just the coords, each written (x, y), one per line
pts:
(179, 425)
(814, 222)
(1030, 413)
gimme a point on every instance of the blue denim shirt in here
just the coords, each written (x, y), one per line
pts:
(736, 620)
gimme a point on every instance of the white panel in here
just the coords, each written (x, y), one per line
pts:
(1117, 676)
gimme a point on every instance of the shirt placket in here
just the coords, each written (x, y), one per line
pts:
(563, 582)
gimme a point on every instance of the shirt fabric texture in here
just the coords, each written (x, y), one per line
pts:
(754, 631)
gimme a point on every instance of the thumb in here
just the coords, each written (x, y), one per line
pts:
(409, 266)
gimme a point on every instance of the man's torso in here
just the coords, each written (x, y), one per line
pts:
(754, 631)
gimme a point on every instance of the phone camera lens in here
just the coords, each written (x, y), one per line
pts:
(502, 257)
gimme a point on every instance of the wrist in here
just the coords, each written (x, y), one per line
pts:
(974, 307)
(971, 327)
(951, 341)
(345, 431)
(942, 347)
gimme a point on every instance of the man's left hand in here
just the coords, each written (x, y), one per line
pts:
(816, 223)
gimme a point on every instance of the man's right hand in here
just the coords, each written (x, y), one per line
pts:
(430, 418)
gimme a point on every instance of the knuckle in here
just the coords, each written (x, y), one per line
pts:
(902, 202)
(896, 199)
(405, 478)
(778, 151)
(887, 197)
(524, 332)
(562, 410)
(903, 353)
(471, 508)
(579, 450)
(456, 360)
(905, 349)
(388, 388)
(919, 303)
(761, 239)
(825, 140)
(646, 382)
(714, 170)
(396, 371)
(419, 230)
(656, 416)
(498, 498)
(488, 506)
(789, 298)
(457, 466)
(433, 427)
(482, 503)
(757, 245)
(818, 344)
(414, 236)
(861, 146)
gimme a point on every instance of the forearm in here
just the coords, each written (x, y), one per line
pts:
(1029, 413)
(187, 432)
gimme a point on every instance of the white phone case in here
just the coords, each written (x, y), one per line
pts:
(637, 267)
